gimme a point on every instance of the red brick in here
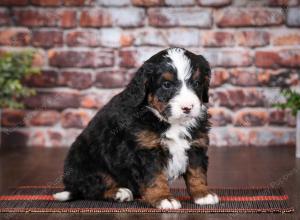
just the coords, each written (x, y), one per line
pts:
(279, 78)
(12, 118)
(37, 139)
(146, 3)
(83, 38)
(272, 137)
(219, 77)
(46, 2)
(132, 17)
(214, 3)
(42, 118)
(47, 78)
(78, 2)
(39, 58)
(97, 100)
(76, 58)
(76, 79)
(275, 59)
(45, 17)
(111, 79)
(75, 118)
(253, 38)
(220, 116)
(286, 38)
(238, 97)
(55, 138)
(53, 100)
(242, 77)
(228, 137)
(15, 37)
(128, 58)
(250, 117)
(13, 2)
(47, 38)
(279, 117)
(217, 39)
(242, 17)
(169, 17)
(228, 58)
(4, 17)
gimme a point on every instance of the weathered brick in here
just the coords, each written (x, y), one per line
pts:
(118, 3)
(146, 3)
(90, 38)
(4, 17)
(280, 38)
(71, 134)
(283, 2)
(228, 58)
(279, 78)
(241, 17)
(250, 117)
(39, 58)
(97, 100)
(113, 37)
(281, 117)
(180, 2)
(45, 17)
(238, 97)
(293, 17)
(149, 36)
(214, 3)
(76, 79)
(56, 138)
(217, 38)
(42, 118)
(272, 137)
(220, 116)
(111, 79)
(47, 78)
(46, 2)
(219, 77)
(253, 38)
(243, 77)
(275, 59)
(84, 58)
(72, 118)
(170, 17)
(132, 17)
(13, 2)
(37, 138)
(47, 38)
(12, 118)
(78, 2)
(53, 100)
(180, 37)
(228, 137)
(15, 37)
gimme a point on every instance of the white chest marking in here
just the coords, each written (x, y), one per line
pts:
(178, 147)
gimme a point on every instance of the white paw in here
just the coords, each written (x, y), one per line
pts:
(124, 194)
(62, 196)
(169, 204)
(209, 199)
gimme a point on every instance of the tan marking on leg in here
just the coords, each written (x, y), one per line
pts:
(111, 185)
(202, 140)
(195, 179)
(157, 190)
(148, 139)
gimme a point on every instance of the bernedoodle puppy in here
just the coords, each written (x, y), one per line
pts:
(153, 132)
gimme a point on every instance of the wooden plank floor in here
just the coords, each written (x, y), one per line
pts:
(273, 166)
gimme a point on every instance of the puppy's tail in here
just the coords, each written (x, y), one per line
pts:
(62, 196)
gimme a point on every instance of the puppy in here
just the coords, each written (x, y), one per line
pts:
(153, 132)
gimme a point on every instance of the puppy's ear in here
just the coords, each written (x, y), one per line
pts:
(136, 90)
(206, 73)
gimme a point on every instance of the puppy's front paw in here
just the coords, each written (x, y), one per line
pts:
(124, 194)
(209, 199)
(169, 204)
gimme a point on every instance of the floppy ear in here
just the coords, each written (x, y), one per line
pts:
(206, 71)
(136, 90)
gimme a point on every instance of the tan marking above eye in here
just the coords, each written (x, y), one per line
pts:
(168, 76)
(155, 103)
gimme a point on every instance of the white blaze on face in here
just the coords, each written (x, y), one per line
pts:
(186, 97)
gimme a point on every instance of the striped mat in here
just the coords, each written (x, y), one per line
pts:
(232, 200)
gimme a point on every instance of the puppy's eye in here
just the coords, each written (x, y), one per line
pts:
(167, 85)
(196, 84)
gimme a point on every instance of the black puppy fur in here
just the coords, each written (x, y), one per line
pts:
(107, 154)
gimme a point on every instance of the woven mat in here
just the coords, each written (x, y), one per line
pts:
(233, 200)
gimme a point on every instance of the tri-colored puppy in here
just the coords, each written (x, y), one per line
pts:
(151, 133)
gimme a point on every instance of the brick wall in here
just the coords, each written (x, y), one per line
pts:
(89, 49)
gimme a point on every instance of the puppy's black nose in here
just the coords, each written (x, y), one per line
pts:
(186, 110)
